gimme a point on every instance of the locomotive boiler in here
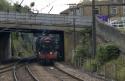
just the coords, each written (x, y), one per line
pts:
(45, 48)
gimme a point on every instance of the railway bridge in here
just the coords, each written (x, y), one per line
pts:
(13, 21)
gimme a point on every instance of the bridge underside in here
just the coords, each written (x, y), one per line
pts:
(13, 26)
(5, 42)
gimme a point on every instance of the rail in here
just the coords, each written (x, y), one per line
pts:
(14, 74)
(30, 73)
(17, 65)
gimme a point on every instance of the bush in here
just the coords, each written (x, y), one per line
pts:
(90, 65)
(107, 52)
(121, 74)
(81, 52)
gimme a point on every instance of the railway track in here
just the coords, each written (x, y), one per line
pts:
(6, 72)
(23, 73)
(6, 66)
(5, 69)
(60, 75)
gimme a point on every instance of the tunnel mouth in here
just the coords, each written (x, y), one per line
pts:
(21, 36)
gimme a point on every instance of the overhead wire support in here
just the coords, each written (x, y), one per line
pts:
(21, 2)
(74, 6)
(48, 5)
(50, 10)
(93, 29)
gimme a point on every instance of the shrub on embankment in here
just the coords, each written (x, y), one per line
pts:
(114, 69)
(90, 65)
(83, 49)
(22, 44)
(107, 52)
(108, 61)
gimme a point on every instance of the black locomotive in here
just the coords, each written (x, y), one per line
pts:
(45, 48)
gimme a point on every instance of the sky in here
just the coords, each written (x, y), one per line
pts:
(44, 6)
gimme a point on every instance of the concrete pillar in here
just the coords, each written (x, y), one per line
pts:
(5, 46)
(69, 44)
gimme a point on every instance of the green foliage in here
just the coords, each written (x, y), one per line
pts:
(90, 65)
(85, 41)
(18, 8)
(22, 44)
(26, 9)
(15, 35)
(107, 52)
(86, 36)
(4, 5)
(86, 31)
(114, 69)
(121, 74)
(83, 50)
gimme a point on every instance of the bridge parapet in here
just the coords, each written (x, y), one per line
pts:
(44, 19)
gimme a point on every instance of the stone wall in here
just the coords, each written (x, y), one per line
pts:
(111, 34)
(69, 44)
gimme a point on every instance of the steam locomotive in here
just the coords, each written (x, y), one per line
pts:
(45, 48)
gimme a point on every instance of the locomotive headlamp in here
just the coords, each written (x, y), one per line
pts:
(51, 53)
(39, 53)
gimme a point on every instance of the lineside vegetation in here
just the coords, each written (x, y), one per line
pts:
(108, 62)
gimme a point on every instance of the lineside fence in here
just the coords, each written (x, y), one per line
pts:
(108, 72)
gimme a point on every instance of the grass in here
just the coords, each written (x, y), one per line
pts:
(114, 69)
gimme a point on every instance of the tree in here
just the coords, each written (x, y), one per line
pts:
(26, 9)
(4, 5)
(19, 8)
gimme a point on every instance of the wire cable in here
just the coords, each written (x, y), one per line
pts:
(50, 10)
(48, 5)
